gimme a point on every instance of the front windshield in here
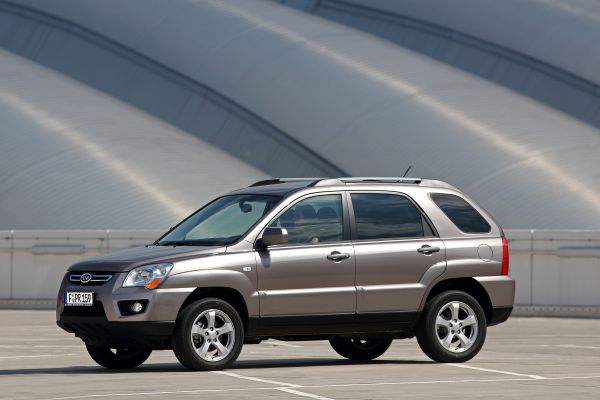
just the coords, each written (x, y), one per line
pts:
(222, 222)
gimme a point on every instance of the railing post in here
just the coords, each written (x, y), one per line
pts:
(108, 240)
(12, 262)
(531, 266)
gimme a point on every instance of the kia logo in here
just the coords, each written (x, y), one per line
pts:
(85, 278)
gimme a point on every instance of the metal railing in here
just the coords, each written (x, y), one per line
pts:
(34, 262)
(552, 268)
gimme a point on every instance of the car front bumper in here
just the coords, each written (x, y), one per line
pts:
(100, 332)
(104, 323)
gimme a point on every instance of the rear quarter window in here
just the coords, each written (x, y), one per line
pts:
(385, 216)
(461, 213)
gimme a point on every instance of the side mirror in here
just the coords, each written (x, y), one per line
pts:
(273, 236)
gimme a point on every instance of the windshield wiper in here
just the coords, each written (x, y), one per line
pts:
(177, 243)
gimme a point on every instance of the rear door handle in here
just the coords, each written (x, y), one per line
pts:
(427, 249)
(337, 256)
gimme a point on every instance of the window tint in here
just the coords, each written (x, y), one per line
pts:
(317, 219)
(465, 217)
(385, 216)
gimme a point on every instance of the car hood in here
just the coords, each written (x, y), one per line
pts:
(126, 260)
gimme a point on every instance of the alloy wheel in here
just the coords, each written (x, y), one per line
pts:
(456, 326)
(213, 335)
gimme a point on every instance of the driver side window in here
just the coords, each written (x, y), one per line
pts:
(317, 219)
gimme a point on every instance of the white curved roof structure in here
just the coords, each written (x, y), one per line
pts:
(291, 94)
(544, 49)
(542, 29)
(73, 158)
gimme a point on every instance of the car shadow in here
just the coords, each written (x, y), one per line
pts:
(175, 367)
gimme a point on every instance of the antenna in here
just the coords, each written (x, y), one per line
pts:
(407, 169)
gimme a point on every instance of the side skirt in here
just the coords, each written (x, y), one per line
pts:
(399, 324)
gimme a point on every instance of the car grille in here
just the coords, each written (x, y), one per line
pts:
(90, 278)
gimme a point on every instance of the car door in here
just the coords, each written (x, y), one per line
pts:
(395, 245)
(309, 280)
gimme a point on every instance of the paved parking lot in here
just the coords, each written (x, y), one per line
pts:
(523, 359)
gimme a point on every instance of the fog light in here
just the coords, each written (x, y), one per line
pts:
(136, 307)
(132, 307)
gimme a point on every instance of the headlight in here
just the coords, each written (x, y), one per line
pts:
(149, 276)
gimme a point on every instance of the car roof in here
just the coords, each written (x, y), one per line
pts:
(275, 187)
(287, 186)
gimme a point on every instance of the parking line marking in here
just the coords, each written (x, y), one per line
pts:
(497, 371)
(43, 355)
(524, 379)
(175, 392)
(280, 343)
(304, 394)
(333, 385)
(50, 327)
(28, 346)
(575, 377)
(27, 340)
(571, 346)
(250, 378)
(286, 389)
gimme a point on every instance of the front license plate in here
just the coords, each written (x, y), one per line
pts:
(79, 298)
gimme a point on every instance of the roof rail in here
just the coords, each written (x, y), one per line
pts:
(276, 181)
(381, 180)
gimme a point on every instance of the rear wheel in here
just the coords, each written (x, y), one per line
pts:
(208, 335)
(453, 327)
(360, 349)
(120, 358)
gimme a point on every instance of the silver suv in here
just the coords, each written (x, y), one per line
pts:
(356, 261)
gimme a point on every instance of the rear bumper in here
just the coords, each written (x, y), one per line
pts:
(97, 330)
(499, 315)
(500, 289)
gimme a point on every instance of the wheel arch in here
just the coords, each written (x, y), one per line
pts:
(230, 295)
(467, 285)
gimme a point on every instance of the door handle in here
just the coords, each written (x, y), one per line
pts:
(337, 256)
(428, 250)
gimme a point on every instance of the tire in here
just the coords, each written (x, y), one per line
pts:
(458, 334)
(200, 348)
(121, 358)
(360, 349)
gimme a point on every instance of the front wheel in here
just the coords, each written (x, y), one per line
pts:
(120, 358)
(453, 327)
(360, 349)
(208, 335)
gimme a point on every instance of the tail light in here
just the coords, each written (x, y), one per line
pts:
(504, 256)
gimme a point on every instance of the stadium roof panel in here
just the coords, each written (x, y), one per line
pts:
(362, 104)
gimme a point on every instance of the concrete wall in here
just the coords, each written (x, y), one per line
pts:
(556, 267)
(552, 268)
(32, 263)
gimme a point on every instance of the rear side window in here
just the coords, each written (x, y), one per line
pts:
(465, 217)
(385, 216)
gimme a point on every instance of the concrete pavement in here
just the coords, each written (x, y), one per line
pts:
(523, 358)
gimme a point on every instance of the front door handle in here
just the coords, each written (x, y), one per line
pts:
(428, 250)
(337, 256)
